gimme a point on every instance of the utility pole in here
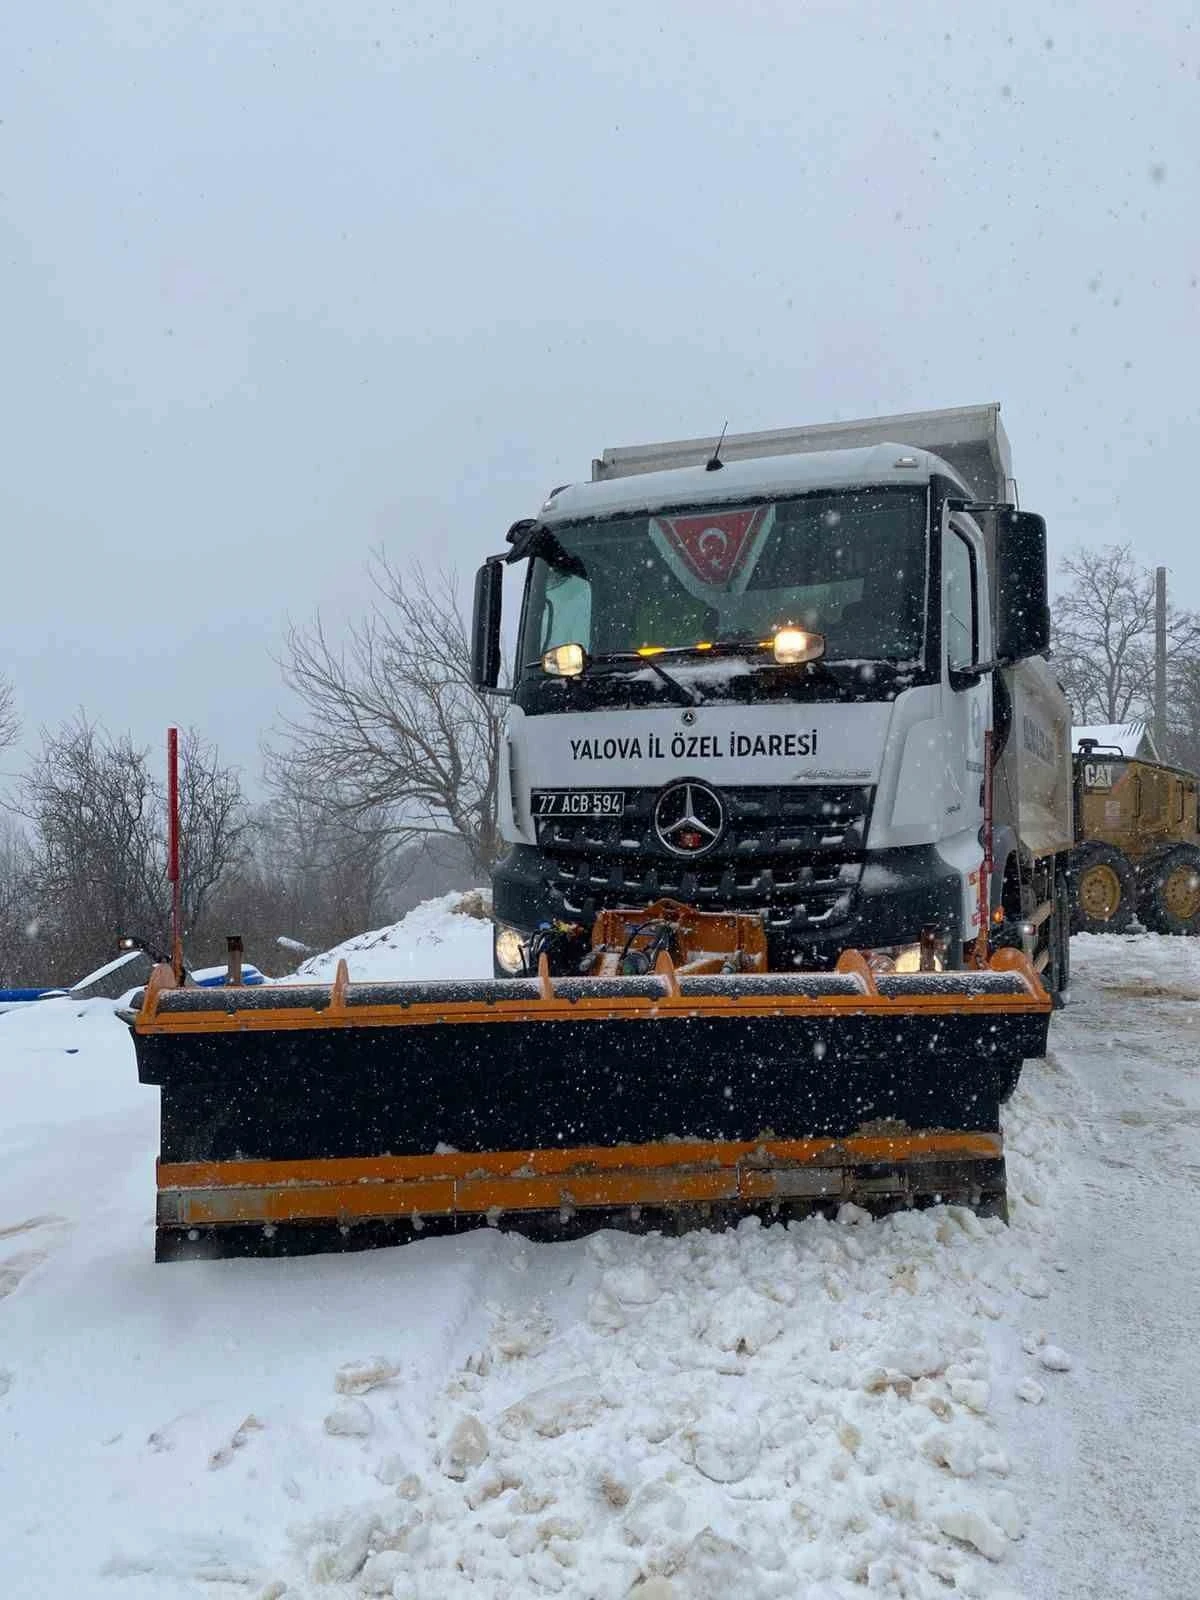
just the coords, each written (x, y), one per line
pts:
(1160, 661)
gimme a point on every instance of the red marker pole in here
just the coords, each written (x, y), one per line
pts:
(173, 850)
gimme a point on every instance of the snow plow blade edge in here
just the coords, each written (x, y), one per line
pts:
(316, 1117)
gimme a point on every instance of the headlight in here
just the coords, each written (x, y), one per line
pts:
(564, 661)
(908, 959)
(904, 958)
(792, 646)
(510, 950)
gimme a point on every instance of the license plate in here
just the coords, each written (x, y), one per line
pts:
(578, 802)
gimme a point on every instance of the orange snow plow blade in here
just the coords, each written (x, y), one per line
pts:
(210, 1194)
(338, 1116)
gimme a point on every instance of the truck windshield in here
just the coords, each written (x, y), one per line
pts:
(848, 565)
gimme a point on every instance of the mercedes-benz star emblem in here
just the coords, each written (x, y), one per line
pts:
(688, 819)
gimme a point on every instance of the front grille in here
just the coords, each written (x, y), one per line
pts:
(794, 852)
(759, 822)
(786, 894)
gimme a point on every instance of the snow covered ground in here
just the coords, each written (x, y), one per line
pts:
(924, 1406)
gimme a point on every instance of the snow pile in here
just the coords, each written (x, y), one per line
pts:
(820, 1410)
(450, 937)
(767, 1412)
(773, 1411)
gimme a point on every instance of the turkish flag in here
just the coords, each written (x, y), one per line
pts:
(714, 545)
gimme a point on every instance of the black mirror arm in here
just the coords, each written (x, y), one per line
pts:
(523, 538)
(971, 507)
(532, 538)
(966, 677)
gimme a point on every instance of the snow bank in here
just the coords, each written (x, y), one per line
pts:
(766, 1412)
(443, 938)
(823, 1409)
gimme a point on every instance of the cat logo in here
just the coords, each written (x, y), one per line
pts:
(1097, 775)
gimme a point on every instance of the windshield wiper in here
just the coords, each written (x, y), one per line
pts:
(685, 696)
(634, 658)
(619, 659)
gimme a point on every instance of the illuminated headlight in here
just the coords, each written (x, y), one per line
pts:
(904, 958)
(791, 646)
(908, 959)
(564, 661)
(510, 950)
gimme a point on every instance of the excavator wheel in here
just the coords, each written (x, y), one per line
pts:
(1103, 889)
(1169, 894)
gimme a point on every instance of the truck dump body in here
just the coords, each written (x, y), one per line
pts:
(970, 438)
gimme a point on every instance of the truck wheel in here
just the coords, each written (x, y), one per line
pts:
(1101, 888)
(1169, 901)
(1058, 970)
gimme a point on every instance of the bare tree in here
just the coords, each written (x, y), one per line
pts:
(18, 930)
(1183, 713)
(97, 812)
(300, 875)
(91, 803)
(1104, 634)
(337, 875)
(212, 823)
(10, 725)
(393, 736)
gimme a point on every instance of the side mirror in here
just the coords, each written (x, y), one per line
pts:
(1022, 598)
(485, 627)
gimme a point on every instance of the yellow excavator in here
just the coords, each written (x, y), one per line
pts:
(1138, 850)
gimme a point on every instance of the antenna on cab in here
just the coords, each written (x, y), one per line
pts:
(714, 462)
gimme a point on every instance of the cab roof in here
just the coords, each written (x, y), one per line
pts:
(763, 477)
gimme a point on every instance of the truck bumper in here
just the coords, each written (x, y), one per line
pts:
(898, 893)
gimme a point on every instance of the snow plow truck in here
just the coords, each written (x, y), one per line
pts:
(786, 795)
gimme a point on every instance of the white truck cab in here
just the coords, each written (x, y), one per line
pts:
(780, 679)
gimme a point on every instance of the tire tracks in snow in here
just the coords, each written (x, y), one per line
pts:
(1114, 1469)
(25, 1245)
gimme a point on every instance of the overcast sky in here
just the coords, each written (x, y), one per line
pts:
(280, 282)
